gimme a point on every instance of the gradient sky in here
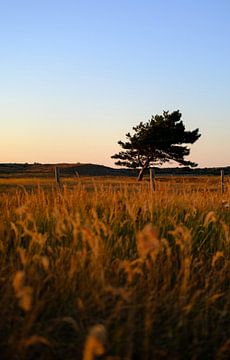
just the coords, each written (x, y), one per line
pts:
(76, 75)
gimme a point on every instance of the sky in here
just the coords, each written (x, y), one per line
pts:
(77, 75)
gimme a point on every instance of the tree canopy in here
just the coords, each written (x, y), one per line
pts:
(157, 141)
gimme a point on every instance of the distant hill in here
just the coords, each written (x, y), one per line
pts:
(70, 170)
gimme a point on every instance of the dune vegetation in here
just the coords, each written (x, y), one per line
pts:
(105, 268)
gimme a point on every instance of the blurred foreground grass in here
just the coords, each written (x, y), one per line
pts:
(151, 269)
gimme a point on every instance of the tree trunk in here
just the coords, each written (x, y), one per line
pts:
(141, 173)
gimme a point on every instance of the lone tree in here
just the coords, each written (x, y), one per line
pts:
(157, 141)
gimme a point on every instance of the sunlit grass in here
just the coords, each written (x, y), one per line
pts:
(150, 269)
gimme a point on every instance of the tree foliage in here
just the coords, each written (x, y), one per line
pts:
(157, 141)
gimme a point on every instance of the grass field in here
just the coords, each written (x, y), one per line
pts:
(107, 268)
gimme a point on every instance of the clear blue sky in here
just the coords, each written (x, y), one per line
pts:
(76, 75)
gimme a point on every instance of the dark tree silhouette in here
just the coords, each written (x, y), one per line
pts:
(157, 141)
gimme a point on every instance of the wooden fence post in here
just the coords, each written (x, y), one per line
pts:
(222, 181)
(57, 176)
(152, 179)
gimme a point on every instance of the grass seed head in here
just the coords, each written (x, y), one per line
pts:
(147, 241)
(95, 344)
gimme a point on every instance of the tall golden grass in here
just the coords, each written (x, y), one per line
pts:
(108, 268)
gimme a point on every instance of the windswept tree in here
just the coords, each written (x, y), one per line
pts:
(163, 138)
